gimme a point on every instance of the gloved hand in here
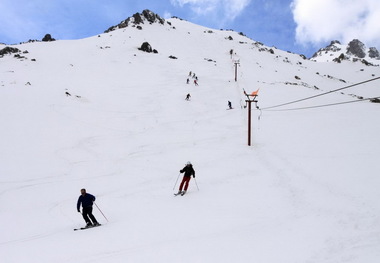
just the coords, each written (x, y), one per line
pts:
(78, 211)
(193, 176)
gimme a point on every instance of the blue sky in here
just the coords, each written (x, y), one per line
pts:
(299, 26)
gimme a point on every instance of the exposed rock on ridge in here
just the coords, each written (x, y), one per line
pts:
(48, 38)
(353, 51)
(356, 48)
(373, 53)
(332, 47)
(9, 50)
(137, 19)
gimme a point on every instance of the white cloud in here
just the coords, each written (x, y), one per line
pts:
(234, 7)
(225, 10)
(321, 21)
(167, 15)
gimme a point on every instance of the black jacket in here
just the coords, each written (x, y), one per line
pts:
(86, 200)
(188, 170)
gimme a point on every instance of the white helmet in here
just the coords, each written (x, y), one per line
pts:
(188, 163)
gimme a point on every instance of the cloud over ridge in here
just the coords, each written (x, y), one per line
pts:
(227, 10)
(321, 21)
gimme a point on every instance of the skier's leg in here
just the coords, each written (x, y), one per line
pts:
(93, 219)
(187, 183)
(182, 183)
(85, 215)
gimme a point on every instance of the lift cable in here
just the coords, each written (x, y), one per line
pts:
(346, 87)
(325, 105)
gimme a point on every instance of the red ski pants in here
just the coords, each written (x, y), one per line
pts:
(185, 181)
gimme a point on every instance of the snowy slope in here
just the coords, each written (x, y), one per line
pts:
(306, 191)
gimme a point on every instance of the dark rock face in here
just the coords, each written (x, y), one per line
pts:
(373, 53)
(138, 19)
(48, 38)
(340, 58)
(334, 42)
(146, 47)
(9, 50)
(152, 17)
(356, 48)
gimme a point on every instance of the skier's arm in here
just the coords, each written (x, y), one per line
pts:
(78, 204)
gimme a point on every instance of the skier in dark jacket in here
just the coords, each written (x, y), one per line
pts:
(87, 201)
(189, 171)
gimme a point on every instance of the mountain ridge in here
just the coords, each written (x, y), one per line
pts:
(176, 29)
(353, 51)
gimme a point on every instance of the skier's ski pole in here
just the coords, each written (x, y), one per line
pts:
(176, 181)
(101, 211)
(196, 183)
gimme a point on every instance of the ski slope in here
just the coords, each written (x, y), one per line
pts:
(305, 191)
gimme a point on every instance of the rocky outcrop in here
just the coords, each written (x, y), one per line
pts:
(373, 53)
(47, 38)
(146, 16)
(354, 51)
(356, 48)
(146, 47)
(9, 50)
(333, 47)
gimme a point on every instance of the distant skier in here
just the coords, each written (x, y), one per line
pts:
(87, 201)
(188, 96)
(190, 74)
(196, 82)
(187, 81)
(189, 171)
(230, 104)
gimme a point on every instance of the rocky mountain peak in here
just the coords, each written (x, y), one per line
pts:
(335, 46)
(137, 19)
(373, 53)
(354, 51)
(356, 48)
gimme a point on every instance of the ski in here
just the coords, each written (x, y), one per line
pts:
(83, 228)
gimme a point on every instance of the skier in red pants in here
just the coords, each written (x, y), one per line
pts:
(189, 171)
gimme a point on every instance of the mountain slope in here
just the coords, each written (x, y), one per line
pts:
(355, 51)
(306, 191)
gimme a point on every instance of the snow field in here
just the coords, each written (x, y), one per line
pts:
(306, 191)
